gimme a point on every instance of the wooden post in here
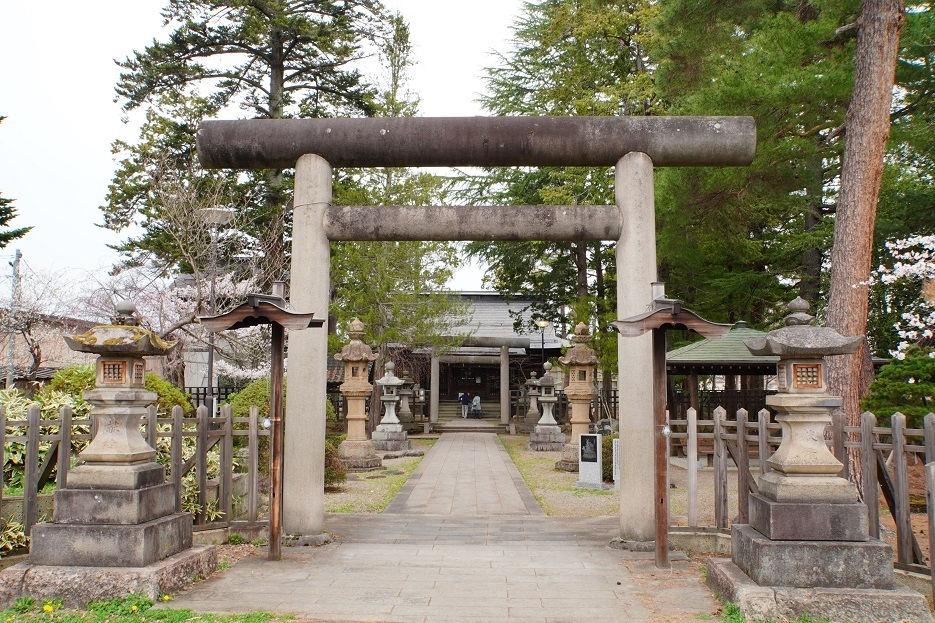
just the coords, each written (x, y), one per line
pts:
(276, 444)
(903, 520)
(659, 447)
(930, 503)
(837, 440)
(743, 468)
(720, 470)
(762, 423)
(928, 424)
(692, 452)
(176, 445)
(31, 476)
(226, 488)
(868, 467)
(2, 454)
(64, 447)
(152, 429)
(201, 460)
(253, 472)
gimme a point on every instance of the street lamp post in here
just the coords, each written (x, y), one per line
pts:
(214, 218)
(542, 324)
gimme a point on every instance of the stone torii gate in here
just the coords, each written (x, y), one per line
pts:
(634, 145)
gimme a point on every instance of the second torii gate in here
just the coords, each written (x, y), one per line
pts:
(633, 145)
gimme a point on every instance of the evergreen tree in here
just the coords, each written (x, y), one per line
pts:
(567, 58)
(270, 58)
(396, 288)
(905, 385)
(7, 214)
(732, 241)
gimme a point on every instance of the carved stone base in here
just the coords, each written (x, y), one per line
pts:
(795, 521)
(77, 586)
(390, 441)
(359, 455)
(839, 605)
(546, 439)
(90, 545)
(569, 461)
(807, 564)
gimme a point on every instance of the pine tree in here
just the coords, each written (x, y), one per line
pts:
(270, 58)
(7, 214)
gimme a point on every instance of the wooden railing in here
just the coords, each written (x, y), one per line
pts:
(884, 454)
(209, 434)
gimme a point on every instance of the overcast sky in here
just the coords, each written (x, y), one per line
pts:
(57, 78)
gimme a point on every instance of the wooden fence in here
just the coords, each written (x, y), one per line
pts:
(209, 435)
(884, 454)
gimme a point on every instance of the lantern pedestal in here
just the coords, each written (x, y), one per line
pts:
(359, 456)
(390, 440)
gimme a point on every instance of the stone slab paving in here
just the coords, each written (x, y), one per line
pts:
(484, 553)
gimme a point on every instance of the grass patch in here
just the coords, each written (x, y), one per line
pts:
(732, 614)
(554, 489)
(371, 492)
(131, 609)
(580, 493)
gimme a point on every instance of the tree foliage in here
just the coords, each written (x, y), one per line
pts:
(7, 214)
(567, 58)
(906, 385)
(398, 289)
(271, 59)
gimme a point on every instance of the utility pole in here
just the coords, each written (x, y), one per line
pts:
(11, 323)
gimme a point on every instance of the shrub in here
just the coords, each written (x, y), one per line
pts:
(169, 395)
(256, 393)
(76, 379)
(73, 380)
(607, 457)
(335, 472)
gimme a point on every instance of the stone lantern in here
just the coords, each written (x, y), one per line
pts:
(803, 468)
(405, 399)
(390, 434)
(116, 528)
(532, 413)
(356, 451)
(582, 364)
(547, 434)
(807, 548)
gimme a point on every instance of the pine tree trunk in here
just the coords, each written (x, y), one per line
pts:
(867, 130)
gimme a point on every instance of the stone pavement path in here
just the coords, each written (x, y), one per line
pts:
(464, 541)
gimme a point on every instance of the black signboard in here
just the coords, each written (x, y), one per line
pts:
(589, 448)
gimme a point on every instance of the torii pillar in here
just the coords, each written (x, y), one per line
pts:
(633, 144)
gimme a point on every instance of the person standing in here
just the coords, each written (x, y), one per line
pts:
(465, 400)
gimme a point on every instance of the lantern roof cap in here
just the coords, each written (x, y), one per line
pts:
(547, 379)
(124, 337)
(799, 338)
(389, 379)
(580, 354)
(356, 350)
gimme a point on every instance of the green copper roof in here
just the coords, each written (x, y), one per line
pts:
(729, 349)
